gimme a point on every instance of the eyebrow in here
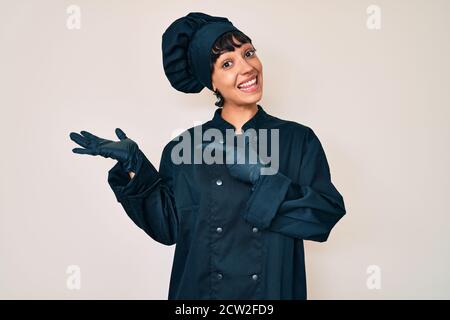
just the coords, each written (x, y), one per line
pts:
(222, 58)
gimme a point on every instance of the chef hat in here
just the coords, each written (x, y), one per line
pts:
(186, 50)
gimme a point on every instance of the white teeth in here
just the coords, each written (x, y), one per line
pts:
(247, 84)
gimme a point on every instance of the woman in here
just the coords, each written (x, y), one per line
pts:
(238, 229)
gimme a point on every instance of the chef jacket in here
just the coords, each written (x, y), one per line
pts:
(235, 240)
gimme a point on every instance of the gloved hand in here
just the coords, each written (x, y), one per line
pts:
(125, 151)
(238, 162)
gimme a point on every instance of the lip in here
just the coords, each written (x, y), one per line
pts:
(252, 88)
(250, 78)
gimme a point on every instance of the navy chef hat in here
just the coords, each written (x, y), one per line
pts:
(186, 50)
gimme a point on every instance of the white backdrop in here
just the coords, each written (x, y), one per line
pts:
(378, 99)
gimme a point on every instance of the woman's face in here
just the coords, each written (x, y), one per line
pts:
(231, 72)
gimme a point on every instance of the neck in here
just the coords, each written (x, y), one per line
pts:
(237, 115)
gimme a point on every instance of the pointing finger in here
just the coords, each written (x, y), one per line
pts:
(89, 135)
(82, 151)
(120, 134)
(79, 139)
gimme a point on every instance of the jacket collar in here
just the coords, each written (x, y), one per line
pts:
(255, 122)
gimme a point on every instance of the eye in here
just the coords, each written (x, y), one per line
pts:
(253, 51)
(223, 65)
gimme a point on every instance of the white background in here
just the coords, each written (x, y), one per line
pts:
(378, 100)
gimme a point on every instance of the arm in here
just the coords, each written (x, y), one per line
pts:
(148, 198)
(307, 207)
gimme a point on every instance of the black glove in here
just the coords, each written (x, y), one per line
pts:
(125, 151)
(238, 162)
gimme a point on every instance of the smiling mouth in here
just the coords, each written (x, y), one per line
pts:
(253, 87)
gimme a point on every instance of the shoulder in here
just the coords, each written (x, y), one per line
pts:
(292, 128)
(185, 137)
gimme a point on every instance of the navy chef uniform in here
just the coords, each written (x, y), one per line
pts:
(234, 240)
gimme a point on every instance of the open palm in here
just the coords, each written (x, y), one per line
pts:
(125, 150)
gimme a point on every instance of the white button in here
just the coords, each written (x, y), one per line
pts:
(255, 229)
(219, 182)
(219, 229)
(255, 277)
(219, 276)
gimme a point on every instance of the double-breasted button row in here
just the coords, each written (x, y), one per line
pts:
(253, 276)
(219, 229)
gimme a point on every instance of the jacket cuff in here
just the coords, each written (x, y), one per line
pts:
(268, 194)
(123, 186)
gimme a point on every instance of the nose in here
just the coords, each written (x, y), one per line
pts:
(245, 66)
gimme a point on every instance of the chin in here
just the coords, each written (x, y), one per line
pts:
(246, 98)
(253, 99)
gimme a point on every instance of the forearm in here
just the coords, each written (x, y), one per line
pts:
(147, 199)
